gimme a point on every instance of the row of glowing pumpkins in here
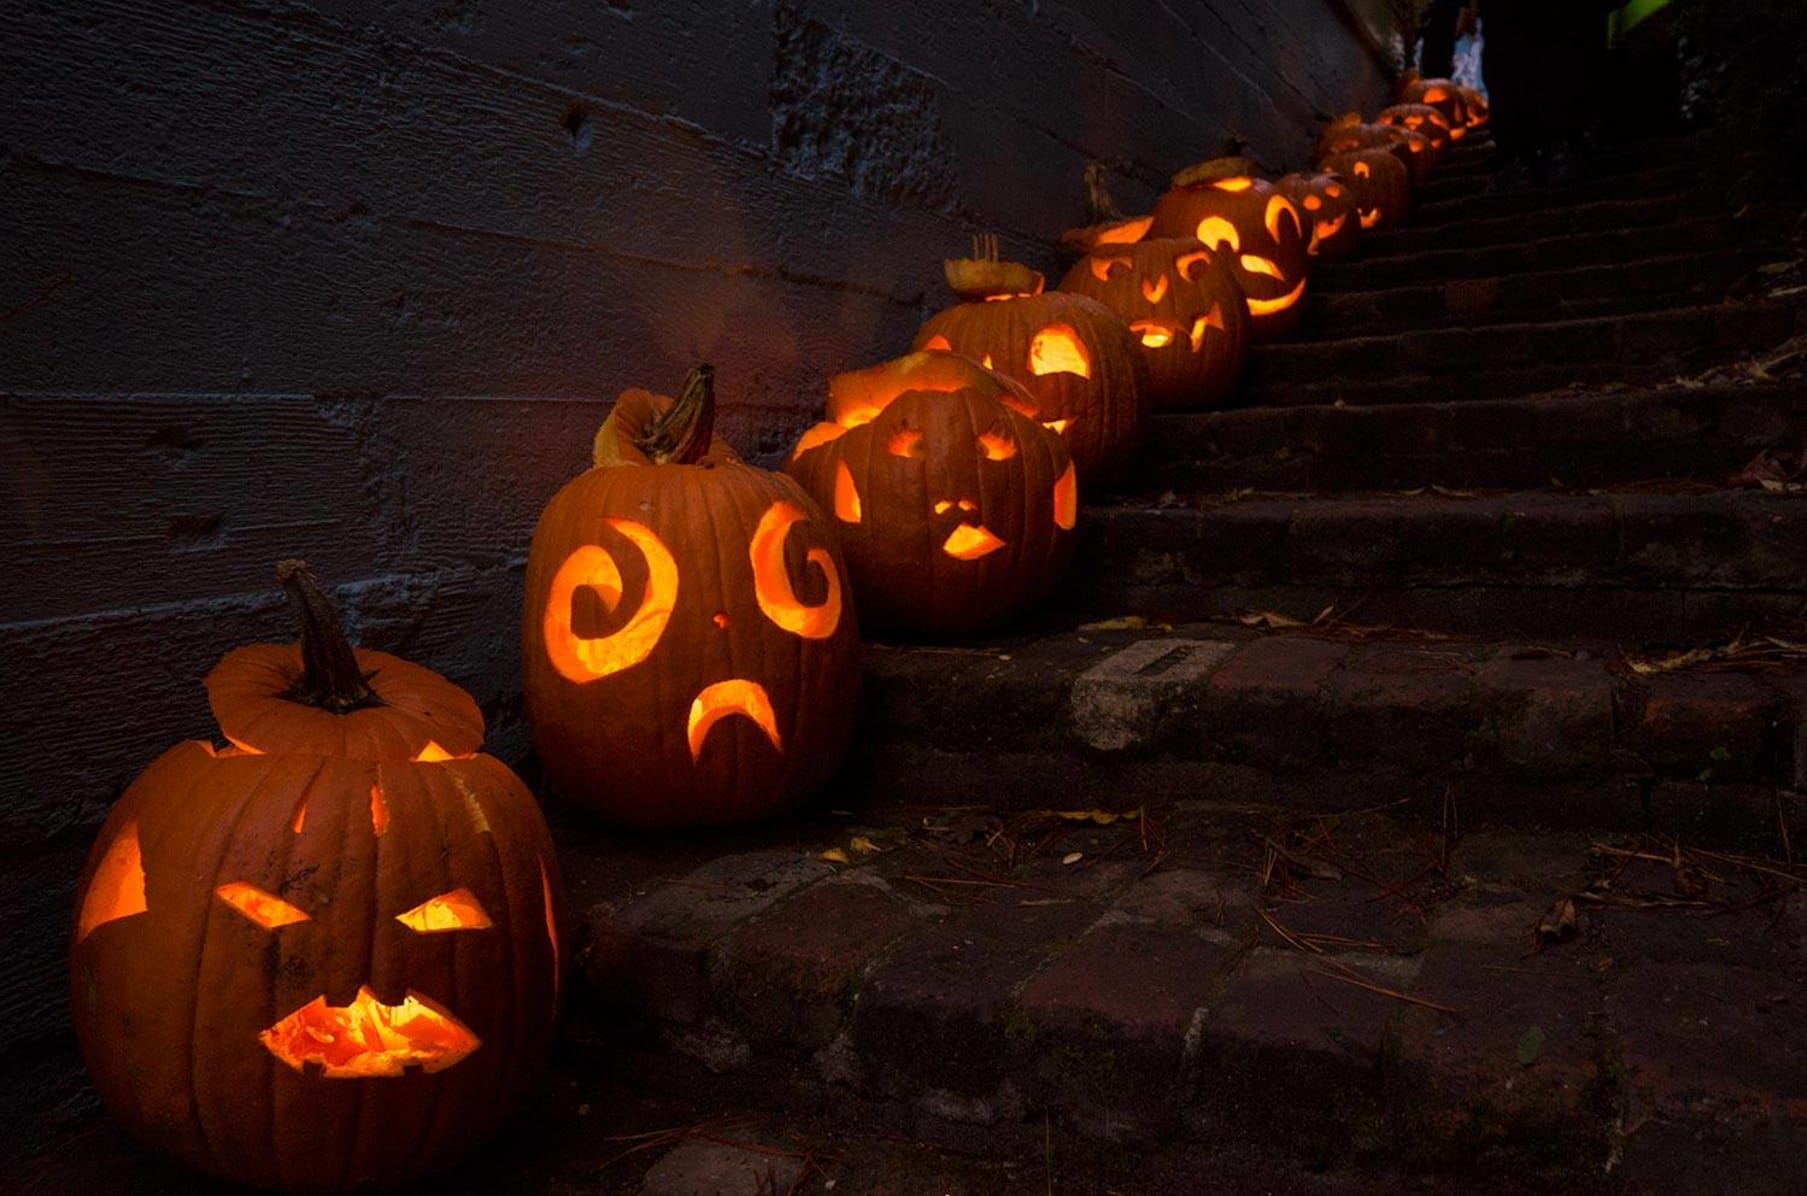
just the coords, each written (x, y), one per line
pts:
(328, 954)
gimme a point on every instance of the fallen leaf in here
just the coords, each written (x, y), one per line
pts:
(1072, 857)
(1101, 817)
(1122, 623)
(861, 845)
(1647, 666)
(835, 855)
(1268, 619)
(1530, 1045)
(1558, 923)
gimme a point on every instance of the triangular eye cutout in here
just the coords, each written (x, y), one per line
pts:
(117, 887)
(456, 910)
(264, 909)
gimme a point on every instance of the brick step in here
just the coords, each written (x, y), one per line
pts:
(1584, 440)
(1650, 568)
(1208, 978)
(1644, 347)
(1685, 280)
(1512, 230)
(1696, 234)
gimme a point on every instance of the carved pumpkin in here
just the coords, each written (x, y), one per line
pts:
(1221, 204)
(1446, 96)
(1104, 224)
(1383, 188)
(689, 652)
(1348, 134)
(1071, 353)
(1329, 206)
(955, 510)
(1418, 118)
(1184, 308)
(326, 956)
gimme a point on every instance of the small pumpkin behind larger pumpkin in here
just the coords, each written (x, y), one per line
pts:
(1070, 353)
(690, 654)
(1223, 205)
(954, 509)
(328, 956)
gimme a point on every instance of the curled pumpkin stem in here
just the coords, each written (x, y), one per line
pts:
(682, 435)
(330, 676)
(1100, 208)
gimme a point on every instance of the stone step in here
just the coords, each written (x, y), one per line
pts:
(1497, 361)
(1704, 434)
(1672, 179)
(1511, 230)
(1212, 978)
(1648, 568)
(1680, 280)
(1695, 234)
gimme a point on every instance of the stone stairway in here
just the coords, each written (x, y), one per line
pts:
(1406, 786)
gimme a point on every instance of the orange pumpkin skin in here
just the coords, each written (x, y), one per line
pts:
(1418, 118)
(690, 653)
(1382, 185)
(236, 898)
(1184, 309)
(1446, 96)
(1072, 355)
(1414, 150)
(955, 512)
(1329, 206)
(1259, 230)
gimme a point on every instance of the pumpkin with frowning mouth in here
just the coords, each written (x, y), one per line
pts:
(1222, 205)
(326, 955)
(690, 654)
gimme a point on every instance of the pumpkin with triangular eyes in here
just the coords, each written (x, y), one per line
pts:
(955, 511)
(690, 655)
(1070, 353)
(1382, 185)
(1223, 205)
(1330, 210)
(1183, 306)
(326, 956)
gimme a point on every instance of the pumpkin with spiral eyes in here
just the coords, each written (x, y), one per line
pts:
(1258, 230)
(325, 956)
(690, 654)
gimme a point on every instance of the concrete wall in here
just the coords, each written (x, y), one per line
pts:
(356, 280)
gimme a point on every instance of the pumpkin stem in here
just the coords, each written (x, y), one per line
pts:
(1100, 208)
(681, 436)
(330, 676)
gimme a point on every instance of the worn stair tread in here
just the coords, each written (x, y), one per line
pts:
(1604, 215)
(1706, 433)
(1324, 988)
(1670, 178)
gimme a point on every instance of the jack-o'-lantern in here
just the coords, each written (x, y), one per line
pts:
(1104, 224)
(326, 956)
(1382, 186)
(1070, 353)
(1330, 212)
(955, 510)
(1183, 306)
(1258, 230)
(1446, 96)
(1476, 103)
(1418, 118)
(689, 652)
(1348, 134)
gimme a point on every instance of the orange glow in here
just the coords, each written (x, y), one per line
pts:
(937, 343)
(1211, 319)
(379, 810)
(1278, 206)
(772, 581)
(1363, 170)
(1312, 203)
(1323, 230)
(1371, 217)
(724, 698)
(434, 754)
(1066, 499)
(1154, 333)
(853, 417)
(846, 494)
(1262, 265)
(997, 446)
(1334, 190)
(243, 749)
(1217, 233)
(1057, 349)
(720, 619)
(368, 1038)
(1156, 290)
(1103, 267)
(943, 506)
(1235, 184)
(818, 436)
(1183, 264)
(300, 815)
(1267, 307)
(456, 910)
(1433, 95)
(969, 543)
(581, 659)
(1126, 233)
(551, 925)
(1057, 426)
(117, 888)
(905, 442)
(265, 909)
(986, 361)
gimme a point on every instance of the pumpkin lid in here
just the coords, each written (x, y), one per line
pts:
(649, 429)
(982, 276)
(855, 396)
(321, 696)
(1202, 173)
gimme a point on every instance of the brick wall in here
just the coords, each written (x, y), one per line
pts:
(356, 280)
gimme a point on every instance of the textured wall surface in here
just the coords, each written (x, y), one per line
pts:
(356, 280)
